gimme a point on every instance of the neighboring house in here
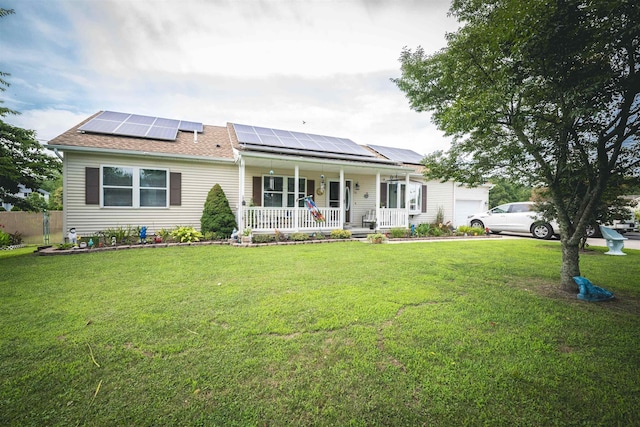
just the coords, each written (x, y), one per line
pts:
(23, 192)
(121, 169)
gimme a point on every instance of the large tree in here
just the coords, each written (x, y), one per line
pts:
(543, 90)
(22, 158)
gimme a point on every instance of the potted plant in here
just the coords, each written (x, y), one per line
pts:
(246, 235)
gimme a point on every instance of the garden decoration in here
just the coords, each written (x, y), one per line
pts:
(234, 234)
(615, 240)
(590, 292)
(315, 212)
(90, 243)
(73, 237)
(113, 240)
(143, 234)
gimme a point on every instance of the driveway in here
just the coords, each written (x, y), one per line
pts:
(633, 241)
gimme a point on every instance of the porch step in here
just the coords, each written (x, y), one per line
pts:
(360, 232)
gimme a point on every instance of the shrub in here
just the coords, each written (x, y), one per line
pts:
(5, 239)
(299, 237)
(340, 234)
(436, 232)
(164, 234)
(469, 231)
(186, 234)
(263, 238)
(440, 215)
(376, 238)
(217, 216)
(423, 229)
(398, 233)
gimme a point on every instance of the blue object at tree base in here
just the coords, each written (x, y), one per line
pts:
(590, 292)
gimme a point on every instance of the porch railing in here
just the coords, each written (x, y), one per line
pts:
(390, 218)
(267, 219)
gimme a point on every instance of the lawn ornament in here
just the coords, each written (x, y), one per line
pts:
(143, 235)
(590, 292)
(73, 236)
(90, 243)
(113, 240)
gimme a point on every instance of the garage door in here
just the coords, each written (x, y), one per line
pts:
(464, 208)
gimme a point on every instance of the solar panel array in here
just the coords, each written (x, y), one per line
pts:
(114, 123)
(399, 154)
(260, 136)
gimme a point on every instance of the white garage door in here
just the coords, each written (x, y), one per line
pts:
(464, 208)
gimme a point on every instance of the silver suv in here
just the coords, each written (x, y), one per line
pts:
(519, 217)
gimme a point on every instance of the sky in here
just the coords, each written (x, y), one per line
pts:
(314, 66)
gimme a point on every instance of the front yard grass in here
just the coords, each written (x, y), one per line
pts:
(438, 334)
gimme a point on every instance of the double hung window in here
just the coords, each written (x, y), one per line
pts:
(134, 187)
(280, 192)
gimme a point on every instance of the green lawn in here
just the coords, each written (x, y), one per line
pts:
(447, 333)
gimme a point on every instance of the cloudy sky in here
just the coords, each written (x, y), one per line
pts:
(272, 63)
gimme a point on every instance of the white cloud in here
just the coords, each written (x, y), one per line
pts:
(271, 63)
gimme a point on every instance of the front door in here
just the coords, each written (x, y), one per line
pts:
(334, 197)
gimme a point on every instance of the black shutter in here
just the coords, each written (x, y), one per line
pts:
(311, 188)
(92, 186)
(257, 191)
(424, 198)
(175, 189)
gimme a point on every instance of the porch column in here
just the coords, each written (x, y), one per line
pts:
(377, 200)
(296, 210)
(341, 199)
(406, 200)
(241, 202)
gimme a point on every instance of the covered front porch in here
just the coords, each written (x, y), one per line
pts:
(273, 189)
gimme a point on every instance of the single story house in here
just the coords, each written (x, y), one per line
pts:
(124, 169)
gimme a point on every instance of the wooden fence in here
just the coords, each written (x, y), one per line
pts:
(31, 226)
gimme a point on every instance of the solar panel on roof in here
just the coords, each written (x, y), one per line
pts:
(190, 126)
(115, 116)
(114, 123)
(100, 126)
(399, 154)
(261, 136)
(132, 129)
(159, 132)
(143, 120)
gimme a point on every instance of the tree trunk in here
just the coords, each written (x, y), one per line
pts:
(570, 266)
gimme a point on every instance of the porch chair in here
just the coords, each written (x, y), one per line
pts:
(615, 240)
(369, 219)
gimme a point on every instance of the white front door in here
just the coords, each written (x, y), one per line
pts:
(334, 197)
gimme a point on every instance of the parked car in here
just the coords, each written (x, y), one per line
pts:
(519, 217)
(621, 226)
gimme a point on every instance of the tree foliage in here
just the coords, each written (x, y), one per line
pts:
(217, 217)
(546, 91)
(22, 157)
(507, 191)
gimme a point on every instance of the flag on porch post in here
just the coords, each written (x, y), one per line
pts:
(313, 209)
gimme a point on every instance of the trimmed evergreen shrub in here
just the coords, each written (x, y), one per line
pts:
(217, 217)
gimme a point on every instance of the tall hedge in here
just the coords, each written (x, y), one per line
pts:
(217, 217)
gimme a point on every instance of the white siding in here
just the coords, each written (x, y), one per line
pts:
(197, 179)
